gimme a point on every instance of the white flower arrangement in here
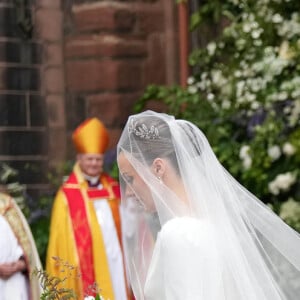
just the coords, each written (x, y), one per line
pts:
(274, 152)
(245, 156)
(290, 210)
(190, 80)
(244, 151)
(288, 149)
(282, 182)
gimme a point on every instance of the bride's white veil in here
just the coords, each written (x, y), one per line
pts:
(257, 254)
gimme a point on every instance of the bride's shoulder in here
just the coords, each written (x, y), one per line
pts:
(186, 230)
(183, 224)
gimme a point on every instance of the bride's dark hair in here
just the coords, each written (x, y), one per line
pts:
(149, 138)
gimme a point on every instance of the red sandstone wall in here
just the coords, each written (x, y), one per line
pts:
(30, 68)
(48, 25)
(84, 58)
(113, 50)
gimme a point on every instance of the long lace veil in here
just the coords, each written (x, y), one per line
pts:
(257, 254)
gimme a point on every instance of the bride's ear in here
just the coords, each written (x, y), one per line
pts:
(159, 167)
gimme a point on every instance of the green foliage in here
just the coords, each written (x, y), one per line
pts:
(245, 95)
(52, 286)
(10, 185)
(40, 231)
(57, 176)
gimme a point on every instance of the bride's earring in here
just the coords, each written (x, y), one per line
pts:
(159, 179)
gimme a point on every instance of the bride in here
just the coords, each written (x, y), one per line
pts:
(191, 231)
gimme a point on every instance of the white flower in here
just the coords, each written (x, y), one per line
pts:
(244, 151)
(250, 97)
(247, 162)
(238, 73)
(89, 298)
(274, 152)
(255, 105)
(295, 113)
(282, 96)
(217, 77)
(211, 48)
(269, 51)
(190, 80)
(257, 43)
(272, 186)
(285, 51)
(290, 210)
(203, 75)
(287, 110)
(256, 34)
(210, 97)
(288, 149)
(245, 157)
(277, 18)
(282, 182)
(192, 89)
(254, 24)
(247, 27)
(240, 88)
(221, 45)
(226, 104)
(296, 93)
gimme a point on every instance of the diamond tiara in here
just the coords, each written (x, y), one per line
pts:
(143, 131)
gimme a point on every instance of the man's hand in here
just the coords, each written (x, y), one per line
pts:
(8, 269)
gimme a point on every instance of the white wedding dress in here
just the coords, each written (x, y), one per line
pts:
(188, 264)
(187, 242)
(14, 287)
